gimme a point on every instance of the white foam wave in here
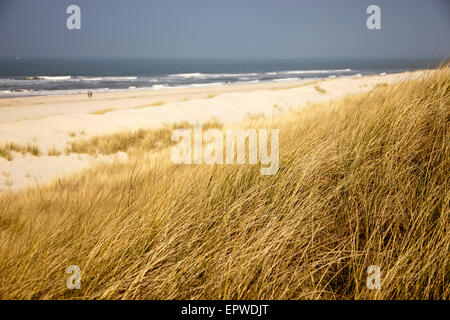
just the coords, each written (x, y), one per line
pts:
(188, 75)
(285, 79)
(107, 78)
(212, 75)
(224, 75)
(198, 85)
(120, 78)
(91, 79)
(54, 78)
(159, 86)
(317, 71)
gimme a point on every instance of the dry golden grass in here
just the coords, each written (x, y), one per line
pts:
(158, 103)
(54, 152)
(7, 150)
(141, 140)
(381, 85)
(362, 181)
(319, 89)
(154, 104)
(103, 111)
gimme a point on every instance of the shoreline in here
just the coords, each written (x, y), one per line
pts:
(101, 91)
(206, 86)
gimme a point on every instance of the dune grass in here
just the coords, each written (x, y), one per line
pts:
(7, 150)
(319, 89)
(144, 140)
(154, 104)
(54, 152)
(102, 111)
(158, 103)
(381, 85)
(362, 181)
(5, 153)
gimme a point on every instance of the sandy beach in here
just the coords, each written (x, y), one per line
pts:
(51, 122)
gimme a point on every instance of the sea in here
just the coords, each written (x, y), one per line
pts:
(22, 76)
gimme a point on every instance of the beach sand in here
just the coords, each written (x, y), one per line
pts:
(51, 122)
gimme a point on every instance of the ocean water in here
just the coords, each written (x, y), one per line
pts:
(37, 76)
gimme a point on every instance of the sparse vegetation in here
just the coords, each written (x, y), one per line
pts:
(5, 153)
(103, 111)
(7, 150)
(154, 104)
(381, 85)
(54, 152)
(278, 108)
(362, 181)
(254, 116)
(144, 140)
(319, 89)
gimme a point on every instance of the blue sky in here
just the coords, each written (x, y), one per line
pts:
(225, 29)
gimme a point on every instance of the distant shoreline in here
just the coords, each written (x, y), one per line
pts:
(146, 89)
(278, 83)
(49, 77)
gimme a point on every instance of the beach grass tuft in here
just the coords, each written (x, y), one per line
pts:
(143, 139)
(53, 152)
(103, 111)
(7, 150)
(320, 89)
(154, 104)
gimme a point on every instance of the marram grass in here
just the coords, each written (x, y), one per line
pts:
(362, 181)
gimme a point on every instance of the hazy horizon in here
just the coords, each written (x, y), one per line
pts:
(200, 29)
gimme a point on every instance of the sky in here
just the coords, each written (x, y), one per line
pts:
(225, 29)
